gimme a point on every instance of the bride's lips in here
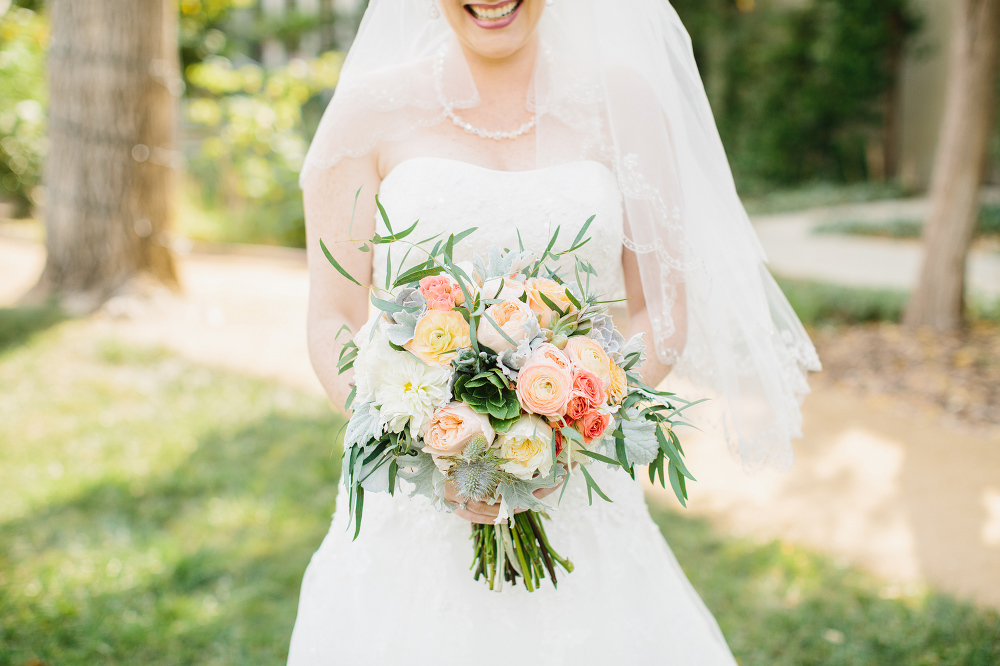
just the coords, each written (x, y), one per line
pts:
(496, 15)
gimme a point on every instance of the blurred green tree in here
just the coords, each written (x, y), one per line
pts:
(803, 91)
(24, 37)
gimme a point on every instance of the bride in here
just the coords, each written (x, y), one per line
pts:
(519, 117)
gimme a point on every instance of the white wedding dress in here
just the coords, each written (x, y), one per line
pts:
(402, 593)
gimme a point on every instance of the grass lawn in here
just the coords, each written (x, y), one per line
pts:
(156, 512)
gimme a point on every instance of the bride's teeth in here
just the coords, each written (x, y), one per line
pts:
(493, 13)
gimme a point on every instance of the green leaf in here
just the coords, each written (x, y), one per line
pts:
(381, 211)
(350, 398)
(359, 507)
(598, 456)
(583, 232)
(551, 304)
(416, 274)
(340, 269)
(677, 484)
(572, 298)
(592, 485)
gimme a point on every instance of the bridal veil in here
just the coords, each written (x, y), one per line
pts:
(616, 82)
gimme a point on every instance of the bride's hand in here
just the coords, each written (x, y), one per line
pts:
(483, 512)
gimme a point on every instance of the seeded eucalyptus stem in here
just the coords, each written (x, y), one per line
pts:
(534, 555)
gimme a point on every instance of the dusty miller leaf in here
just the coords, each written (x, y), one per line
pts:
(426, 478)
(363, 427)
(519, 494)
(641, 446)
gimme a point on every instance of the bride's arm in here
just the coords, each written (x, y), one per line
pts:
(333, 300)
(653, 371)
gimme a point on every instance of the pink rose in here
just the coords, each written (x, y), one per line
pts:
(592, 425)
(543, 388)
(452, 427)
(588, 385)
(440, 292)
(588, 355)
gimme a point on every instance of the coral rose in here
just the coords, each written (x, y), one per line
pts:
(553, 291)
(511, 316)
(543, 388)
(588, 355)
(619, 384)
(452, 427)
(587, 384)
(592, 425)
(438, 336)
(440, 292)
(577, 406)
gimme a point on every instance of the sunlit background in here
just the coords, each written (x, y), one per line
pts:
(168, 462)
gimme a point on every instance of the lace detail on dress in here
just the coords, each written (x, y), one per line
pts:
(448, 196)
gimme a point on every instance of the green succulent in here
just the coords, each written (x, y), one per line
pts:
(470, 363)
(476, 473)
(488, 393)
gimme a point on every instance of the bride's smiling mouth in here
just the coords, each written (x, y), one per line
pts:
(494, 16)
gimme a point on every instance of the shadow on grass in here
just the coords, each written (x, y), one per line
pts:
(18, 325)
(780, 605)
(200, 565)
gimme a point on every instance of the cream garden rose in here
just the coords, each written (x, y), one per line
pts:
(619, 384)
(588, 355)
(511, 316)
(452, 427)
(504, 289)
(527, 447)
(438, 337)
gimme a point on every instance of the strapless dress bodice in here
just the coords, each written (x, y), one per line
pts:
(448, 196)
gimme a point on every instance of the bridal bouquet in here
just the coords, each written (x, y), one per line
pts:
(502, 376)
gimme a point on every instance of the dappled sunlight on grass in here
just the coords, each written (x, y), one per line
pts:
(778, 604)
(152, 510)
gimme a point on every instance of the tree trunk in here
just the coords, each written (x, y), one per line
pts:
(114, 79)
(939, 301)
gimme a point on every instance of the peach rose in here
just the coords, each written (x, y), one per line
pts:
(619, 384)
(588, 385)
(452, 427)
(440, 292)
(587, 354)
(511, 316)
(543, 388)
(438, 336)
(549, 352)
(553, 291)
(592, 425)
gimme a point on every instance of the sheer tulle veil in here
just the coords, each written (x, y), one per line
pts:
(616, 82)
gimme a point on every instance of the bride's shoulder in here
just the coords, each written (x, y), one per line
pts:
(388, 88)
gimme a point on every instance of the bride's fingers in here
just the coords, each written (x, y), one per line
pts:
(476, 517)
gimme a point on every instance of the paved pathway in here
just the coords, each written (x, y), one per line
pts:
(911, 500)
(794, 251)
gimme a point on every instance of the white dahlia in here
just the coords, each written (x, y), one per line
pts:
(408, 392)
